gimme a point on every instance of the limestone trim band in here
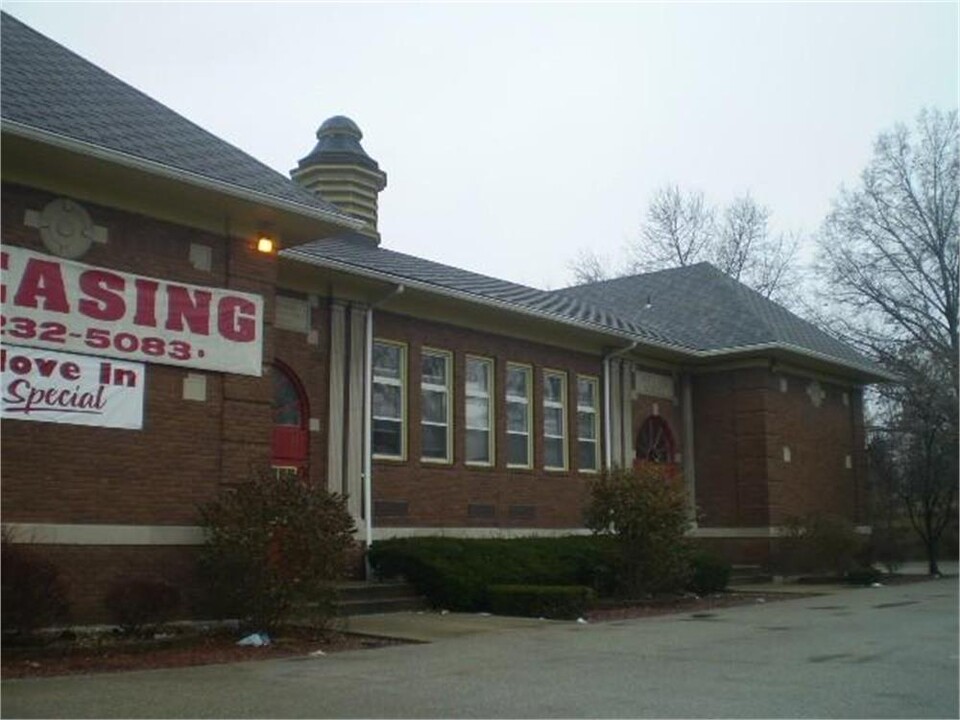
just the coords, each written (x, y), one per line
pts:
(159, 535)
(58, 534)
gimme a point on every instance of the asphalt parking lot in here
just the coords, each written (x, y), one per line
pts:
(864, 652)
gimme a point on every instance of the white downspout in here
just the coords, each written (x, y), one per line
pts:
(368, 421)
(368, 429)
(608, 451)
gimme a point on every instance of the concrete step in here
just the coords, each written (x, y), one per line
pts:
(749, 575)
(365, 598)
(377, 607)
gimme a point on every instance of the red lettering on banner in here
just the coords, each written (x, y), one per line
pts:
(196, 311)
(236, 319)
(105, 288)
(4, 265)
(42, 279)
(146, 314)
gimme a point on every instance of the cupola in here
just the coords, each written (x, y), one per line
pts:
(339, 170)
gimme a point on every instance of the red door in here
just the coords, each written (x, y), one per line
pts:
(290, 419)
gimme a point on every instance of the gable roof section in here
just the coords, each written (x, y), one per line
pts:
(358, 255)
(52, 94)
(707, 310)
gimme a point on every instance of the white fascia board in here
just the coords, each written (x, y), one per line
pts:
(184, 176)
(797, 350)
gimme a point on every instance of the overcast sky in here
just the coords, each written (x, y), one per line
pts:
(513, 135)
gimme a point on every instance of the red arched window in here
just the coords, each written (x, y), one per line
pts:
(655, 441)
(290, 421)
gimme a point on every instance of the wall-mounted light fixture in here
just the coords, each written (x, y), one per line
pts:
(266, 244)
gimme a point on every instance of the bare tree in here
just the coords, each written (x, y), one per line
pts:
(888, 265)
(745, 250)
(681, 228)
(678, 231)
(589, 267)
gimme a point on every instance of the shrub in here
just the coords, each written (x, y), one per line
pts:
(33, 594)
(454, 573)
(710, 574)
(819, 543)
(646, 511)
(562, 602)
(137, 605)
(863, 575)
(275, 545)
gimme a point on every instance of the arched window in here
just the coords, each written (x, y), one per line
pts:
(290, 420)
(655, 441)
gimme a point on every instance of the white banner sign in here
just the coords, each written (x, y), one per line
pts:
(47, 386)
(50, 302)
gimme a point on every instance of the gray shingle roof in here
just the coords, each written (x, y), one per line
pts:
(358, 254)
(705, 309)
(48, 88)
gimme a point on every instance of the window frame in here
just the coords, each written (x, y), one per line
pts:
(402, 383)
(491, 411)
(528, 402)
(595, 410)
(448, 390)
(565, 395)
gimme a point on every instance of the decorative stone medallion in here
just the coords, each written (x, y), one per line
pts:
(66, 228)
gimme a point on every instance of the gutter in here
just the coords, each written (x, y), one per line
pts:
(186, 177)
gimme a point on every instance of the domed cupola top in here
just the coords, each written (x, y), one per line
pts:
(338, 143)
(339, 170)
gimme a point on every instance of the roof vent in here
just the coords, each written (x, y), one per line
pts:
(339, 170)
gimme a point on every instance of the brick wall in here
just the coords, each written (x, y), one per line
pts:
(74, 474)
(730, 447)
(823, 438)
(744, 420)
(414, 493)
(186, 451)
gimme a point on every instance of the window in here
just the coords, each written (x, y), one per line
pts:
(479, 391)
(435, 406)
(519, 445)
(554, 420)
(587, 436)
(389, 399)
(655, 441)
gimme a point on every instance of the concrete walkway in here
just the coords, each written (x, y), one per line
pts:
(858, 652)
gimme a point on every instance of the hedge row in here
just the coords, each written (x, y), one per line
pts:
(455, 573)
(559, 602)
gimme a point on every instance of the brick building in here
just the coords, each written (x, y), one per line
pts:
(153, 354)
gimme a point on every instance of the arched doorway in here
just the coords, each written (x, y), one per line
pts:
(290, 422)
(655, 442)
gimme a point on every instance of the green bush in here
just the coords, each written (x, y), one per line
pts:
(275, 545)
(863, 575)
(646, 512)
(454, 573)
(819, 543)
(710, 574)
(33, 594)
(138, 604)
(561, 602)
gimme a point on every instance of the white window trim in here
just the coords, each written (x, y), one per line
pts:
(489, 397)
(563, 419)
(401, 382)
(446, 389)
(527, 401)
(595, 411)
